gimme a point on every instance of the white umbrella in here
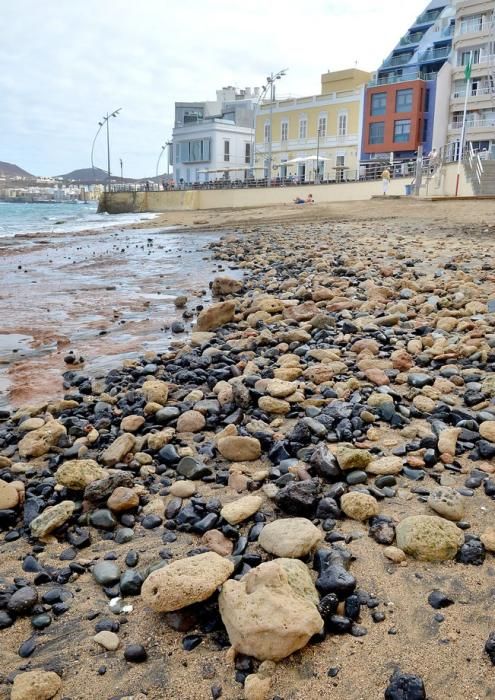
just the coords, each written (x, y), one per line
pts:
(293, 160)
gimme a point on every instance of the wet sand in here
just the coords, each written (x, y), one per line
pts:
(106, 296)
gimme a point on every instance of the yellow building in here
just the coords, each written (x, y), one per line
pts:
(324, 128)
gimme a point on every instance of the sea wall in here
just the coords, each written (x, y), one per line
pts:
(123, 202)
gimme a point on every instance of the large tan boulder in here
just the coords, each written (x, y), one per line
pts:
(51, 518)
(38, 442)
(280, 389)
(191, 422)
(359, 506)
(264, 615)
(185, 581)
(76, 474)
(301, 312)
(118, 449)
(242, 509)
(155, 391)
(9, 496)
(271, 405)
(350, 457)
(215, 316)
(290, 537)
(428, 537)
(487, 430)
(385, 465)
(225, 285)
(35, 685)
(239, 448)
(447, 502)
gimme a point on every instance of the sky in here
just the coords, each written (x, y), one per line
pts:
(63, 65)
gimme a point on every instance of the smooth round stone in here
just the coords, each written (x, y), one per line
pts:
(23, 600)
(106, 573)
(108, 640)
(132, 559)
(384, 481)
(183, 489)
(135, 653)
(123, 535)
(151, 521)
(102, 519)
(164, 415)
(5, 620)
(41, 621)
(356, 477)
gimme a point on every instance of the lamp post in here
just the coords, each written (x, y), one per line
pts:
(162, 150)
(104, 120)
(270, 81)
(122, 170)
(317, 178)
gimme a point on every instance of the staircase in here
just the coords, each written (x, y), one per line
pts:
(481, 173)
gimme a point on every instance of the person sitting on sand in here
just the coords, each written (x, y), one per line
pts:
(309, 200)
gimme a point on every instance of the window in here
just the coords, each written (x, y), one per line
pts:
(192, 151)
(342, 124)
(284, 131)
(226, 151)
(425, 130)
(377, 133)
(427, 100)
(378, 104)
(340, 161)
(267, 132)
(403, 100)
(402, 131)
(303, 128)
(247, 153)
(470, 56)
(322, 126)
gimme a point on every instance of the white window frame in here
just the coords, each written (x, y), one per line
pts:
(322, 120)
(226, 151)
(343, 130)
(284, 130)
(266, 132)
(303, 127)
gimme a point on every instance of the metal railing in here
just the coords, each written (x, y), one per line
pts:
(400, 60)
(367, 171)
(474, 124)
(413, 38)
(475, 165)
(473, 26)
(428, 17)
(404, 77)
(435, 54)
(476, 92)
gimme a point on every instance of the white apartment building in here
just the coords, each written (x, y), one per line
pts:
(213, 140)
(474, 40)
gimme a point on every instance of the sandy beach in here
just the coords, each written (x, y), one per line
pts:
(368, 327)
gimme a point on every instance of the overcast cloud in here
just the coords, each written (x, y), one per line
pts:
(64, 64)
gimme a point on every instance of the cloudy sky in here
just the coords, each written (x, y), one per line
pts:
(64, 64)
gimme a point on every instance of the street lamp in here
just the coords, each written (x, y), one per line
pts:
(317, 178)
(104, 120)
(121, 169)
(162, 150)
(270, 82)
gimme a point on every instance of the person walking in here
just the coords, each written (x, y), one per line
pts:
(385, 181)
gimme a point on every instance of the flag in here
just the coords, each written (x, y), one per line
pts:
(467, 70)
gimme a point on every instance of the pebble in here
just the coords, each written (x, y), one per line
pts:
(108, 640)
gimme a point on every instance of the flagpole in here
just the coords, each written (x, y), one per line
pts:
(467, 73)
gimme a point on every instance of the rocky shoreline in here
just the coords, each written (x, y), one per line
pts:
(279, 508)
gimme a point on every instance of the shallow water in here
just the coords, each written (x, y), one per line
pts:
(60, 217)
(106, 296)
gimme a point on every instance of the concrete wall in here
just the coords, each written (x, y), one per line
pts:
(121, 202)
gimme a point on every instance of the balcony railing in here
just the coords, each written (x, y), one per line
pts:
(435, 54)
(413, 38)
(409, 75)
(477, 92)
(428, 17)
(484, 60)
(400, 60)
(473, 26)
(474, 124)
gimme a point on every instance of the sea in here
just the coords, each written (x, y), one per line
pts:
(64, 217)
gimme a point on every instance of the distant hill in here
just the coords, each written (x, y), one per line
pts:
(88, 175)
(10, 170)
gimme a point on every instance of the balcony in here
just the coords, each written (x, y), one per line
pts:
(428, 17)
(412, 38)
(473, 124)
(473, 26)
(478, 92)
(435, 54)
(484, 60)
(399, 60)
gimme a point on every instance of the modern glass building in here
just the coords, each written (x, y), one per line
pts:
(399, 103)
